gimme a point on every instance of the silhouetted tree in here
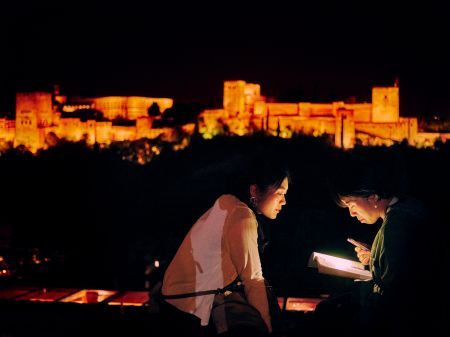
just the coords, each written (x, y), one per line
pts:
(154, 111)
(84, 115)
(182, 113)
(121, 121)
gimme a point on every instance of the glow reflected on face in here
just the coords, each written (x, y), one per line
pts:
(271, 203)
(361, 208)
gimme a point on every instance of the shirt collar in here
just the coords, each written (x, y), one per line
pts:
(393, 201)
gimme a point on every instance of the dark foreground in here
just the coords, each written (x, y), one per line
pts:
(118, 315)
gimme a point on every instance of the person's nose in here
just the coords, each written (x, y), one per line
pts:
(352, 213)
(283, 201)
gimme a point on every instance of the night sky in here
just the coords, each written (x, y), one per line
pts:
(308, 52)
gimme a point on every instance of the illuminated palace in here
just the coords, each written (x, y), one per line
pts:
(378, 123)
(42, 118)
(39, 115)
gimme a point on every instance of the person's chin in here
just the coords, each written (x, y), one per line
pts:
(273, 216)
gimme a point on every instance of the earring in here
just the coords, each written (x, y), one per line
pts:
(375, 206)
(253, 202)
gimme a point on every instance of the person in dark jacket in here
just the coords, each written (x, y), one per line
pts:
(400, 295)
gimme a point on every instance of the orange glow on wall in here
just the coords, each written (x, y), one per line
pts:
(130, 298)
(129, 107)
(37, 117)
(376, 123)
(302, 304)
(13, 292)
(245, 111)
(46, 295)
(385, 105)
(88, 296)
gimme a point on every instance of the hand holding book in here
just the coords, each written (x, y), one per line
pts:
(333, 265)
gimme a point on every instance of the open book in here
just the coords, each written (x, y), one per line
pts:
(332, 265)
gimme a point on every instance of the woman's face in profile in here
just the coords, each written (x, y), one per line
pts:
(362, 208)
(271, 203)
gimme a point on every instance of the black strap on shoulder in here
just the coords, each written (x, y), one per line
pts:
(233, 286)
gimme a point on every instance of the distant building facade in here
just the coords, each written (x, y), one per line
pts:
(42, 118)
(377, 123)
(39, 114)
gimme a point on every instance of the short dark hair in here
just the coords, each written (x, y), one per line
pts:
(360, 178)
(265, 172)
(363, 193)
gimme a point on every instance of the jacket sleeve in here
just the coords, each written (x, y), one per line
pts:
(397, 254)
(241, 237)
